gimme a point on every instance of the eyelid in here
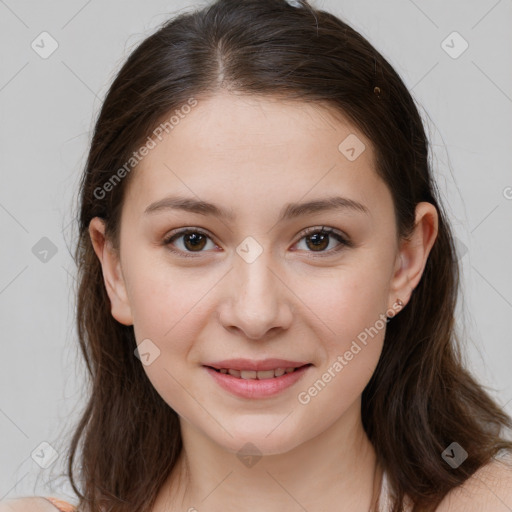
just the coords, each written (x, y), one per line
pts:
(183, 231)
(323, 229)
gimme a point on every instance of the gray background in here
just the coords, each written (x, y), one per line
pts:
(47, 109)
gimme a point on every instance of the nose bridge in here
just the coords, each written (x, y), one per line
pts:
(253, 270)
(257, 299)
(256, 278)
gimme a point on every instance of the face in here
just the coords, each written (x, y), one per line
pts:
(262, 282)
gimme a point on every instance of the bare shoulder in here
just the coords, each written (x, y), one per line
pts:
(487, 490)
(32, 504)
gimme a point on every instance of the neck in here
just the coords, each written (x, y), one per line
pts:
(337, 466)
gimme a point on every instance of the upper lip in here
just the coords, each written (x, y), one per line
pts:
(251, 364)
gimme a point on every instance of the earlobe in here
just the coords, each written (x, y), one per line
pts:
(414, 252)
(112, 273)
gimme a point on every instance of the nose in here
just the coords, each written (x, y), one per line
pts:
(256, 299)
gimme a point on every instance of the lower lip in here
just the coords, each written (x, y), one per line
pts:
(255, 388)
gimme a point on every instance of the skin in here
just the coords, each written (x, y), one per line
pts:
(253, 155)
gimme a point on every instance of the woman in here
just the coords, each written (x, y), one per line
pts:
(268, 283)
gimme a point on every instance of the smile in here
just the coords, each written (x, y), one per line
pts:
(255, 384)
(256, 375)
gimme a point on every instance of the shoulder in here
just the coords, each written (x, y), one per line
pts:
(32, 504)
(487, 490)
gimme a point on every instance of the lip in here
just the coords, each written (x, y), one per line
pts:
(255, 388)
(250, 364)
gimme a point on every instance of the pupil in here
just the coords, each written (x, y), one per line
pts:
(194, 239)
(317, 242)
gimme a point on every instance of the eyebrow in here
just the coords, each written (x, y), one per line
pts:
(290, 210)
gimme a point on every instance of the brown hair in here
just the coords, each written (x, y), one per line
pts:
(420, 398)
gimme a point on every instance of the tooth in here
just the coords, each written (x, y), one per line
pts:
(248, 374)
(252, 374)
(265, 374)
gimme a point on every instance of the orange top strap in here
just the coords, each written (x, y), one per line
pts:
(63, 506)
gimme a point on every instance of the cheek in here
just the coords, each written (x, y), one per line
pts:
(342, 377)
(166, 306)
(165, 299)
(348, 312)
(344, 301)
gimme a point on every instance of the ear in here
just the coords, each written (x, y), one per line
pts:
(112, 274)
(413, 254)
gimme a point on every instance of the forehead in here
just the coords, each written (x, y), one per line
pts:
(242, 151)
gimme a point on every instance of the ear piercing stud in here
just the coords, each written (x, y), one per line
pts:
(399, 303)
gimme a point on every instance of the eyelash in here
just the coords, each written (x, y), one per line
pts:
(308, 232)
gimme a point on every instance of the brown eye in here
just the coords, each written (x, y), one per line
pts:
(193, 241)
(318, 240)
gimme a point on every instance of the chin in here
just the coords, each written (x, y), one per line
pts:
(259, 442)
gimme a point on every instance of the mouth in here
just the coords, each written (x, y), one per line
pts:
(256, 384)
(258, 375)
